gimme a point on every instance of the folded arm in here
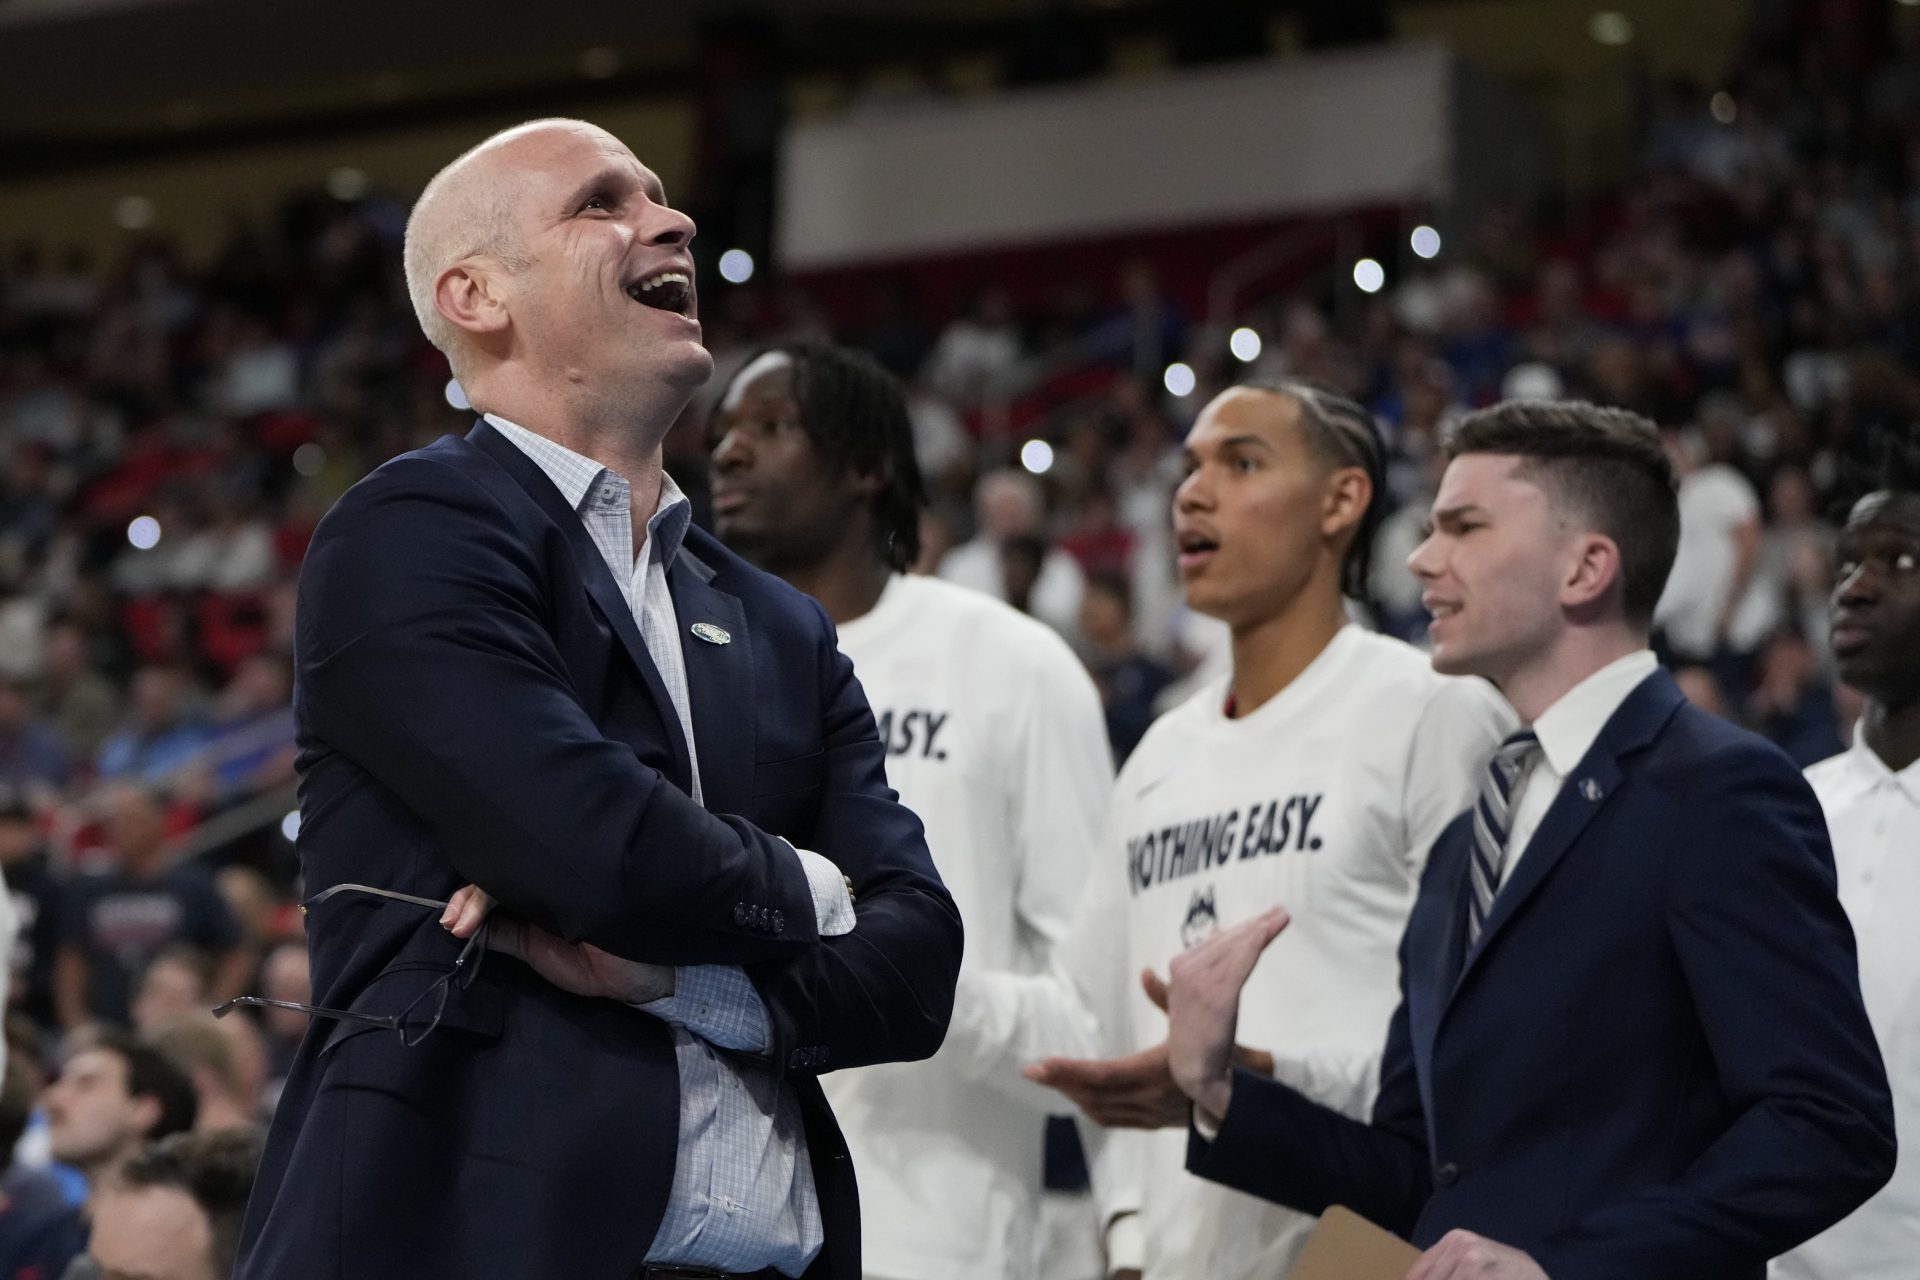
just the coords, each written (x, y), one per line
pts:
(424, 658)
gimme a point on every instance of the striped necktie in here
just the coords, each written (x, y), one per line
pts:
(1492, 820)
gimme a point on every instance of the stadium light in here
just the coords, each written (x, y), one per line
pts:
(1245, 345)
(1369, 275)
(1426, 241)
(1179, 379)
(134, 213)
(1724, 108)
(1037, 456)
(345, 184)
(1611, 27)
(143, 533)
(309, 458)
(736, 266)
(290, 825)
(457, 395)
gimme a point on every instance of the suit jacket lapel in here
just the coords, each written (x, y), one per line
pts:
(1635, 723)
(718, 674)
(592, 568)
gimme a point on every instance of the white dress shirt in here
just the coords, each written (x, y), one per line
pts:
(1873, 816)
(743, 1194)
(1567, 731)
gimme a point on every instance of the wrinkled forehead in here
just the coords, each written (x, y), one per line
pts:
(1894, 511)
(563, 153)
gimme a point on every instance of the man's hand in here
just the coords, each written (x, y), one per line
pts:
(579, 967)
(1462, 1255)
(1203, 1006)
(1135, 1092)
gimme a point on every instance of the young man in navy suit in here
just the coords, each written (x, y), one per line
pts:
(1630, 1041)
(521, 669)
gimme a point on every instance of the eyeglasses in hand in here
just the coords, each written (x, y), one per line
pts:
(422, 1014)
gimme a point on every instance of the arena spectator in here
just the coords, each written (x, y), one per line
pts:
(39, 1231)
(37, 905)
(1130, 680)
(114, 1095)
(162, 732)
(176, 1214)
(224, 1087)
(1010, 506)
(120, 919)
(80, 701)
(173, 984)
(32, 754)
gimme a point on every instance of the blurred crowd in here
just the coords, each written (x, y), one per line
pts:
(171, 433)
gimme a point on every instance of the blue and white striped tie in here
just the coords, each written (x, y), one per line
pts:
(1492, 821)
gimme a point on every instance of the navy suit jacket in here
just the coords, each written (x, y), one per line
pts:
(1655, 1063)
(475, 703)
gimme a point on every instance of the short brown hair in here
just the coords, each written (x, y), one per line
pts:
(1606, 464)
(215, 1167)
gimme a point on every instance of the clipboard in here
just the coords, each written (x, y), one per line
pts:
(1345, 1246)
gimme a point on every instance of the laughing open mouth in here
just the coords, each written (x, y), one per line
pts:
(666, 291)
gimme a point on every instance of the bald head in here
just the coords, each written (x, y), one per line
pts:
(466, 211)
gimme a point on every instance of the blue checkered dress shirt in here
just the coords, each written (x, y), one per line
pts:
(743, 1196)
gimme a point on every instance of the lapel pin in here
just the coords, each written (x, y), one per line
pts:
(711, 634)
(1590, 789)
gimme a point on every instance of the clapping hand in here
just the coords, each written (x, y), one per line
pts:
(1137, 1091)
(579, 967)
(1203, 1007)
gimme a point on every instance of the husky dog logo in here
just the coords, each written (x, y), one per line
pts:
(1202, 919)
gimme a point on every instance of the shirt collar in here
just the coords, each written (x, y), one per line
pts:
(1568, 728)
(579, 479)
(1865, 764)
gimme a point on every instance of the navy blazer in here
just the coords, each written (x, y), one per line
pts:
(475, 704)
(1654, 1065)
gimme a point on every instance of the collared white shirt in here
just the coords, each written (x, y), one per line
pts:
(743, 1193)
(1873, 817)
(1567, 731)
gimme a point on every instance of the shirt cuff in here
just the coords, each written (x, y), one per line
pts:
(1126, 1247)
(832, 899)
(1204, 1125)
(718, 1003)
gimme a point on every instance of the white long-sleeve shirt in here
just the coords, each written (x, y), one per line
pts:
(995, 738)
(1873, 816)
(1325, 800)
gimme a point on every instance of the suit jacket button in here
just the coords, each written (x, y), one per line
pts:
(820, 1059)
(1447, 1174)
(795, 1060)
(740, 914)
(779, 920)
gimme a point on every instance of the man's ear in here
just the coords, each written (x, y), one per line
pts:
(1594, 572)
(468, 294)
(146, 1112)
(1348, 494)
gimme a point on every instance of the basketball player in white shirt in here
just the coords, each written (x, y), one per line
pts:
(995, 738)
(1871, 798)
(1316, 774)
